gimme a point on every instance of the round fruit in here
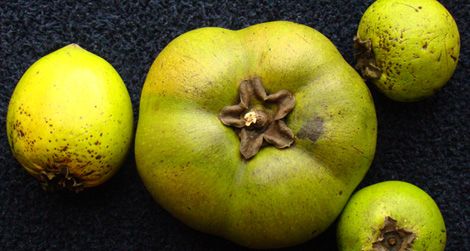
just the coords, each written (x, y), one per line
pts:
(408, 49)
(391, 216)
(258, 135)
(69, 121)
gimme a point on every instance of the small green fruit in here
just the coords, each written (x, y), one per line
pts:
(408, 49)
(391, 216)
(69, 121)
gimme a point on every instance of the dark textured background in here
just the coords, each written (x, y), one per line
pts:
(425, 143)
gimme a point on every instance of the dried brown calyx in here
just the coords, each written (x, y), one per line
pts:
(393, 238)
(57, 177)
(365, 59)
(258, 117)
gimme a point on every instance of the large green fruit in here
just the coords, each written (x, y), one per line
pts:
(391, 216)
(69, 121)
(299, 99)
(408, 49)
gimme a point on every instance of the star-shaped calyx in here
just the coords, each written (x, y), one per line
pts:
(365, 59)
(393, 238)
(258, 117)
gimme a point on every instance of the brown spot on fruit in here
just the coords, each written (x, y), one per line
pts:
(311, 130)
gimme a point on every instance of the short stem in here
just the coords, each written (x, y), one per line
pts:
(250, 118)
(257, 118)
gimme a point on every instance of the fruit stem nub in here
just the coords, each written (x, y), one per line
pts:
(365, 59)
(59, 177)
(393, 238)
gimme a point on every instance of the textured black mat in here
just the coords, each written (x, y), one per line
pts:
(425, 143)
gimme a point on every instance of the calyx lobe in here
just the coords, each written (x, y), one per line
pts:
(393, 238)
(365, 59)
(258, 117)
(57, 176)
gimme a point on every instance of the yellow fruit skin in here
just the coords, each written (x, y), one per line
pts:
(191, 164)
(70, 115)
(416, 45)
(413, 209)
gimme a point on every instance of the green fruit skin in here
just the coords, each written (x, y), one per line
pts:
(190, 161)
(413, 209)
(416, 44)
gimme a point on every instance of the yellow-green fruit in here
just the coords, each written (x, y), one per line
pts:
(408, 49)
(196, 166)
(391, 216)
(70, 120)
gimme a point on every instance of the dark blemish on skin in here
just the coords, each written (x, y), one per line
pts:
(425, 45)
(98, 157)
(407, 5)
(340, 193)
(453, 58)
(89, 172)
(312, 129)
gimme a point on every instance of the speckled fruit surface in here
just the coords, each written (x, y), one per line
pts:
(408, 49)
(69, 120)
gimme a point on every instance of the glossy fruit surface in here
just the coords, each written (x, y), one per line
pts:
(69, 120)
(408, 49)
(391, 216)
(257, 135)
